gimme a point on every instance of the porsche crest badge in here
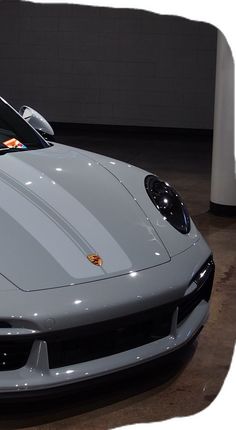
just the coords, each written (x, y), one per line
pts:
(95, 259)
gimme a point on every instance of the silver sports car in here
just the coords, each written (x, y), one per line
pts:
(101, 266)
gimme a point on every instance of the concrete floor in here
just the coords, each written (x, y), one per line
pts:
(189, 381)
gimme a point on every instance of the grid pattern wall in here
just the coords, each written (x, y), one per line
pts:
(107, 66)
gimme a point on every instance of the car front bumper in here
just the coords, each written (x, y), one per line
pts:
(62, 316)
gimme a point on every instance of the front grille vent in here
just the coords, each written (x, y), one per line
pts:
(4, 324)
(95, 341)
(14, 354)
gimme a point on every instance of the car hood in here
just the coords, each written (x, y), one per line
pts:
(57, 207)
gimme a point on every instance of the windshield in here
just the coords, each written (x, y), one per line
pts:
(15, 133)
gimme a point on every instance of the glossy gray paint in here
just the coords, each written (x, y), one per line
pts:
(49, 310)
(91, 302)
(58, 204)
(132, 178)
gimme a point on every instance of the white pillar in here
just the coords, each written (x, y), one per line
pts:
(223, 177)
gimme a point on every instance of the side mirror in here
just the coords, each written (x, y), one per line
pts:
(37, 121)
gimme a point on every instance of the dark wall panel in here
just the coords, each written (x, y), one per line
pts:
(106, 66)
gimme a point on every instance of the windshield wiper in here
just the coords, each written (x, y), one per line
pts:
(7, 150)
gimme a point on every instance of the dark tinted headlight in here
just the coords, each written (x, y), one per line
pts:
(169, 203)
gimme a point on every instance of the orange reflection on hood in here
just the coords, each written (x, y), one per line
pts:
(13, 143)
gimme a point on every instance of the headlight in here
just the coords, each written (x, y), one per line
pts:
(169, 203)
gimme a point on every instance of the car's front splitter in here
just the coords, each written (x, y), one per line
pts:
(36, 375)
(151, 288)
